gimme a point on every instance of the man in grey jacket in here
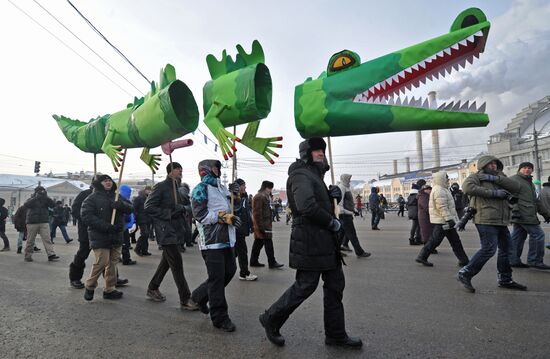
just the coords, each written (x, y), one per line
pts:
(489, 189)
(525, 221)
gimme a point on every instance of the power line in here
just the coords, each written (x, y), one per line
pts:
(106, 40)
(70, 48)
(89, 48)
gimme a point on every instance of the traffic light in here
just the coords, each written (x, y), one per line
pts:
(36, 166)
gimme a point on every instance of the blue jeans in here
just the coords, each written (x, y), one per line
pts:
(63, 229)
(491, 237)
(536, 243)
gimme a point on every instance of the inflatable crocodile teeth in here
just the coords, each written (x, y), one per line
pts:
(164, 114)
(354, 98)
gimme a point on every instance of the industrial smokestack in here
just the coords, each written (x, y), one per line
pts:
(419, 153)
(394, 167)
(435, 133)
(408, 164)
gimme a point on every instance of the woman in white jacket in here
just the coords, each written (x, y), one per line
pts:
(443, 216)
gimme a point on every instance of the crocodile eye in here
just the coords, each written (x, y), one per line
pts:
(342, 62)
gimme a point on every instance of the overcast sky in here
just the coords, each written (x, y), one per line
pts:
(42, 77)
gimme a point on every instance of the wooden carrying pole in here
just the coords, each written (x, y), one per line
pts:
(233, 171)
(118, 184)
(336, 209)
(173, 181)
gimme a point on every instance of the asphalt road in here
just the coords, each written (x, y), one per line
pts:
(399, 308)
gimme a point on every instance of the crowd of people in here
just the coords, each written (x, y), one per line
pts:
(322, 228)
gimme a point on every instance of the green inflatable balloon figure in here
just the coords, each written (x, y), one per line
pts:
(354, 98)
(164, 114)
(239, 92)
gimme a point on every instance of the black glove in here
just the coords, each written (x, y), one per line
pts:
(118, 205)
(500, 193)
(546, 219)
(237, 222)
(178, 210)
(334, 225)
(234, 188)
(334, 192)
(114, 228)
(451, 223)
(487, 177)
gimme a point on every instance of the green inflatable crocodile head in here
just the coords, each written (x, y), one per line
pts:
(353, 98)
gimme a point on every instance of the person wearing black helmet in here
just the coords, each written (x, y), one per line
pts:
(165, 206)
(216, 224)
(314, 248)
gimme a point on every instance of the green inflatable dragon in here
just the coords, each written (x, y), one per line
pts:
(164, 114)
(239, 93)
(351, 98)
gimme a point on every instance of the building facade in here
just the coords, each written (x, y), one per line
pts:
(516, 143)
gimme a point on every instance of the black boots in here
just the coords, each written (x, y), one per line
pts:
(466, 282)
(271, 332)
(89, 294)
(347, 342)
(115, 294)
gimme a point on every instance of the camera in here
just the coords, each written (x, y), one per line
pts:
(469, 213)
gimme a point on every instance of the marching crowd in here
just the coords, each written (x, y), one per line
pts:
(322, 228)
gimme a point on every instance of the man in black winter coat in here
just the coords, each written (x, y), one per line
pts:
(143, 221)
(105, 238)
(165, 206)
(76, 268)
(37, 222)
(314, 248)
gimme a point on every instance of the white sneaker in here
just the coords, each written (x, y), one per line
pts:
(249, 277)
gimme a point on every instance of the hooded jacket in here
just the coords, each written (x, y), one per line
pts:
(490, 210)
(125, 194)
(374, 200)
(208, 199)
(346, 205)
(525, 211)
(96, 214)
(38, 206)
(312, 246)
(442, 204)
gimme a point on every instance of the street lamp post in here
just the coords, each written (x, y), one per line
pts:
(535, 137)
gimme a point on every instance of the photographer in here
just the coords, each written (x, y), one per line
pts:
(489, 190)
(525, 221)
